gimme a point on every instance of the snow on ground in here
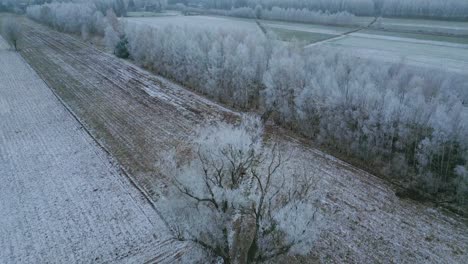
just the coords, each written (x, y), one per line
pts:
(61, 198)
(138, 115)
(368, 223)
(410, 40)
(427, 26)
(3, 44)
(437, 55)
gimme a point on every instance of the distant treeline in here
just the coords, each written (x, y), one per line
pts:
(8, 6)
(449, 9)
(277, 13)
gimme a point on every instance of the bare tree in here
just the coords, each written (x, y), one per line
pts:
(11, 30)
(236, 201)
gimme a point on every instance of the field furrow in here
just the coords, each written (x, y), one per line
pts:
(62, 198)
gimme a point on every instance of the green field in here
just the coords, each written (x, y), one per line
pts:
(299, 36)
(152, 14)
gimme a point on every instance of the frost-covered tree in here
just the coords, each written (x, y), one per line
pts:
(425, 8)
(226, 64)
(283, 85)
(235, 200)
(113, 32)
(11, 30)
(119, 8)
(131, 5)
(258, 11)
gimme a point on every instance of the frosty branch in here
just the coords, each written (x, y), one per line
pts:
(236, 201)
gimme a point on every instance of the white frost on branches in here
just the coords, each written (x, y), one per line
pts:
(235, 200)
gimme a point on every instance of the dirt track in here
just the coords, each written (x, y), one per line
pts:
(136, 115)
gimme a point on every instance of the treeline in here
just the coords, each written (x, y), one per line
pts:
(156, 5)
(405, 122)
(77, 16)
(277, 13)
(119, 7)
(5, 5)
(70, 17)
(399, 8)
(84, 18)
(425, 8)
(358, 7)
(308, 16)
(11, 6)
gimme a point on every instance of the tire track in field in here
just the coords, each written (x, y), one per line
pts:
(343, 35)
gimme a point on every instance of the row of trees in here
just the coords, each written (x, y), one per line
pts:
(16, 6)
(307, 16)
(119, 7)
(227, 65)
(5, 6)
(410, 123)
(423, 8)
(399, 8)
(70, 17)
(358, 7)
(148, 5)
(85, 18)
(291, 14)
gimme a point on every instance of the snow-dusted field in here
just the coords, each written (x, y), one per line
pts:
(62, 200)
(3, 45)
(424, 53)
(137, 115)
(368, 223)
